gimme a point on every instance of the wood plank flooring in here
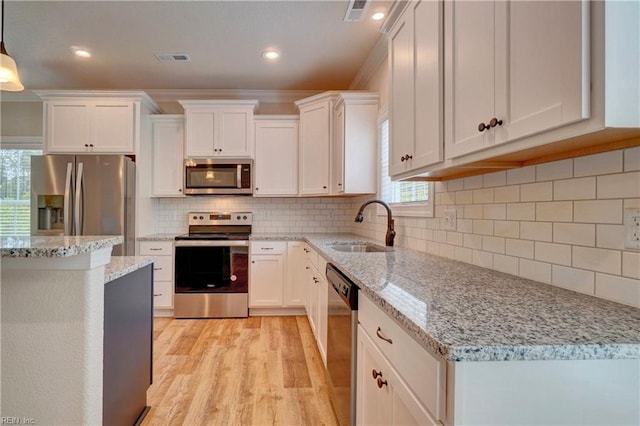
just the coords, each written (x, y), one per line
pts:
(250, 371)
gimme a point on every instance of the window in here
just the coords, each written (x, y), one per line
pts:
(15, 190)
(405, 198)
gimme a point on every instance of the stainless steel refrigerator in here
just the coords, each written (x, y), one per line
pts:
(84, 195)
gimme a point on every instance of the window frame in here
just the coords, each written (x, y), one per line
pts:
(418, 209)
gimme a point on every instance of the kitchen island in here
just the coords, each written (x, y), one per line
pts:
(53, 325)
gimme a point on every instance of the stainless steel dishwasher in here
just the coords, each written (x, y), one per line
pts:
(342, 323)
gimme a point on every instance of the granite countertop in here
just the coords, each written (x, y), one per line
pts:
(467, 313)
(48, 247)
(123, 265)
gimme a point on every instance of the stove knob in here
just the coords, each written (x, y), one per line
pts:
(244, 217)
(238, 217)
(195, 217)
(201, 217)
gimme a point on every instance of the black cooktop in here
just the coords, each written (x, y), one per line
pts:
(219, 237)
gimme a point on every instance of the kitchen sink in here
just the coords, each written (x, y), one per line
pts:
(359, 248)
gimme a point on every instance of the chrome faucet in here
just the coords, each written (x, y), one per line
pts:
(391, 233)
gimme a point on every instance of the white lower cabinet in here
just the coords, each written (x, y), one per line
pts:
(383, 397)
(317, 304)
(276, 276)
(162, 271)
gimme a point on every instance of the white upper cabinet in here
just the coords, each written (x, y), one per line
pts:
(513, 69)
(219, 128)
(168, 148)
(354, 164)
(416, 109)
(93, 122)
(316, 118)
(276, 156)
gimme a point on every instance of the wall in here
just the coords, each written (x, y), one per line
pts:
(559, 223)
(21, 118)
(283, 215)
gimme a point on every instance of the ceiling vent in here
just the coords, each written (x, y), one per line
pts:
(172, 57)
(356, 10)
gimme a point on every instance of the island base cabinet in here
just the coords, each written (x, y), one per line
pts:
(382, 397)
(544, 392)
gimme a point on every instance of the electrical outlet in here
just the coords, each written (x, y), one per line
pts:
(449, 221)
(632, 228)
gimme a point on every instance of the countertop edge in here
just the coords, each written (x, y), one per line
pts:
(67, 247)
(123, 265)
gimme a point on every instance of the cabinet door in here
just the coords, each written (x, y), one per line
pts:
(68, 126)
(401, 118)
(428, 80)
(337, 160)
(276, 158)
(315, 134)
(321, 323)
(542, 73)
(235, 137)
(266, 280)
(312, 297)
(200, 132)
(168, 163)
(114, 127)
(295, 286)
(373, 403)
(470, 68)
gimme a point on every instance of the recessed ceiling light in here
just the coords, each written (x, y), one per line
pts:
(270, 54)
(80, 52)
(377, 16)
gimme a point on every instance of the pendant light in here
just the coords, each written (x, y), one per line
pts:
(9, 79)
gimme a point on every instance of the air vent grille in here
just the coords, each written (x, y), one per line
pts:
(172, 57)
(356, 10)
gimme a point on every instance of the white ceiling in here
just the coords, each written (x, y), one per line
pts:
(223, 38)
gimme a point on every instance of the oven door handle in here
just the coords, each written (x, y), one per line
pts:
(212, 243)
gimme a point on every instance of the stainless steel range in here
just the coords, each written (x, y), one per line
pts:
(212, 266)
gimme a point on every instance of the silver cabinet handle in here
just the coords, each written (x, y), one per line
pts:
(381, 336)
(155, 249)
(158, 294)
(266, 248)
(157, 269)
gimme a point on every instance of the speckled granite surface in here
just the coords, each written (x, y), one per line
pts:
(30, 246)
(158, 237)
(123, 265)
(467, 313)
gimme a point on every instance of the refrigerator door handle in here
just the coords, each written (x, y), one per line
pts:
(79, 193)
(67, 200)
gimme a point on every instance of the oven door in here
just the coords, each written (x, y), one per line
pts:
(211, 266)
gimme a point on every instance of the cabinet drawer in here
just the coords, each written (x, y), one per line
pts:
(156, 248)
(418, 368)
(163, 268)
(268, 247)
(162, 294)
(312, 255)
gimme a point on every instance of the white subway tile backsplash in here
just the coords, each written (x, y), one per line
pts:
(599, 260)
(483, 227)
(472, 241)
(573, 279)
(463, 254)
(506, 228)
(472, 182)
(622, 185)
(521, 175)
(619, 289)
(581, 234)
(575, 189)
(464, 197)
(521, 211)
(494, 179)
(632, 159)
(493, 244)
(507, 194)
(598, 211)
(483, 258)
(506, 264)
(495, 211)
(554, 170)
(473, 211)
(631, 264)
(541, 191)
(454, 238)
(447, 251)
(610, 236)
(538, 231)
(598, 164)
(534, 270)
(465, 226)
(455, 185)
(559, 254)
(554, 211)
(484, 195)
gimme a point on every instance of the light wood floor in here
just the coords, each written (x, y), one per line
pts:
(252, 371)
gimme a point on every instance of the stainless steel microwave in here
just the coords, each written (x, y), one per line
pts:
(218, 176)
